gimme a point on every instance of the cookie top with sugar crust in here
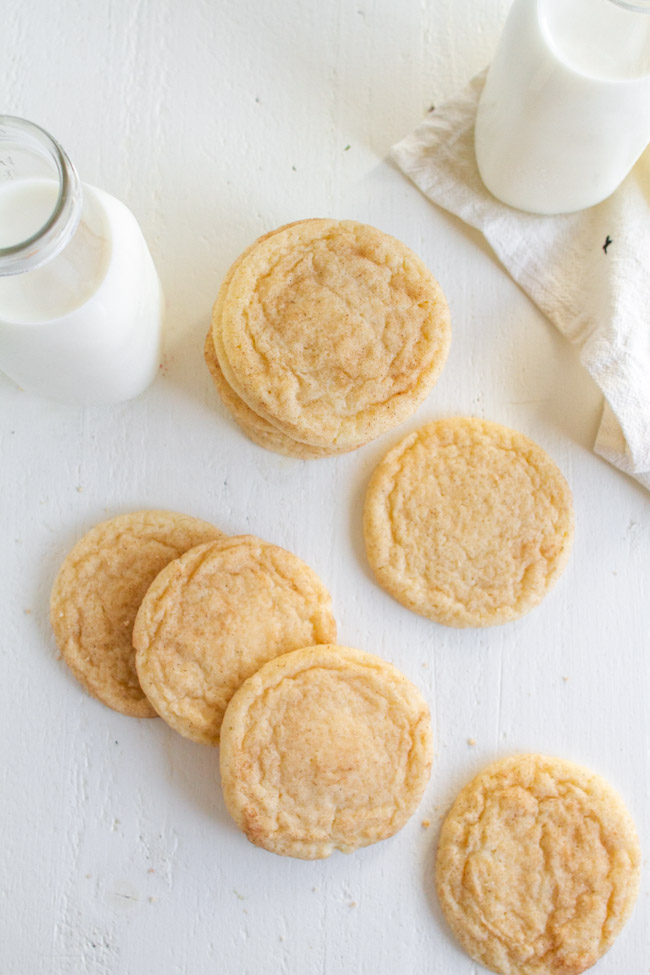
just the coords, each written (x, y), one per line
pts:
(468, 522)
(537, 867)
(324, 748)
(213, 616)
(333, 331)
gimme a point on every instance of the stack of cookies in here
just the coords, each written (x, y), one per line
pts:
(232, 640)
(326, 334)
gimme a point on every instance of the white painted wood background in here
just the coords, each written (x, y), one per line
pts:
(214, 122)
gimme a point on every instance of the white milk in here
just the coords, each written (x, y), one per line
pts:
(85, 327)
(68, 280)
(565, 112)
(25, 205)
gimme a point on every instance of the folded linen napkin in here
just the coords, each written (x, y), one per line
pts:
(589, 272)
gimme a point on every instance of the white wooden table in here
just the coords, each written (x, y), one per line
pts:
(214, 122)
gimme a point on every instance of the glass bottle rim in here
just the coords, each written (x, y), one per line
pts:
(637, 6)
(640, 75)
(49, 239)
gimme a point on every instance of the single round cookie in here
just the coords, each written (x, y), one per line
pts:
(333, 331)
(215, 615)
(98, 592)
(537, 867)
(467, 522)
(324, 748)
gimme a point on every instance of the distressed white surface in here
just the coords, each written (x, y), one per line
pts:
(215, 122)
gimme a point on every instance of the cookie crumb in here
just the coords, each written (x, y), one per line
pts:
(471, 741)
(426, 823)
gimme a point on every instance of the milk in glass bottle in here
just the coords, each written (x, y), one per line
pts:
(565, 112)
(80, 300)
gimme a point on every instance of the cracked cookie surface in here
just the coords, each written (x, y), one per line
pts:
(468, 522)
(98, 592)
(333, 331)
(537, 867)
(324, 748)
(215, 615)
(258, 429)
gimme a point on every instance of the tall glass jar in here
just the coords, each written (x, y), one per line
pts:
(565, 112)
(80, 300)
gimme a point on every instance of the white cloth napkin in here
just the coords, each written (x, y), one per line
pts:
(597, 296)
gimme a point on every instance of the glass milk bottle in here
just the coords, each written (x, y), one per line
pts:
(80, 300)
(565, 112)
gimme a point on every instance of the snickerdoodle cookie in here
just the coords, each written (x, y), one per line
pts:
(324, 748)
(98, 591)
(537, 867)
(467, 522)
(259, 430)
(332, 331)
(215, 615)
